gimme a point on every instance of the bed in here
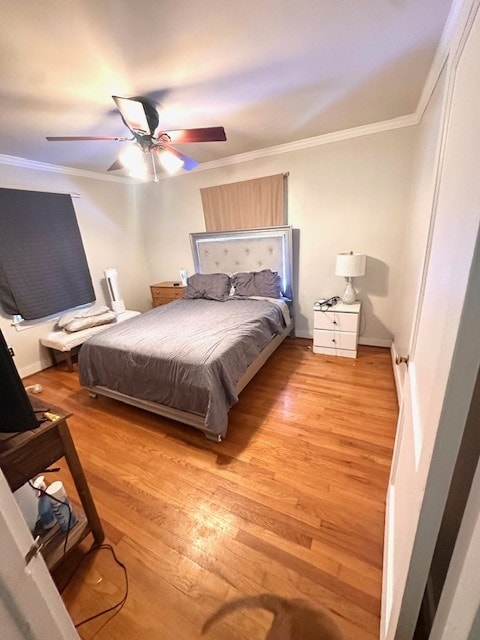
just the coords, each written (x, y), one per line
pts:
(190, 359)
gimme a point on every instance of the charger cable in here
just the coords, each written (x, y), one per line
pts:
(115, 607)
(325, 305)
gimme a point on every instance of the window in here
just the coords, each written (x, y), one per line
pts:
(251, 204)
(43, 267)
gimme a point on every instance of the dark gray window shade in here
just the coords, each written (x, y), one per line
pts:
(43, 267)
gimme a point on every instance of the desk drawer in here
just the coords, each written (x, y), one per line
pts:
(333, 320)
(334, 339)
(34, 456)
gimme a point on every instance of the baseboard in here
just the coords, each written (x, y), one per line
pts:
(303, 334)
(35, 367)
(376, 342)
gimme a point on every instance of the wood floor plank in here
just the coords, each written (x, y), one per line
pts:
(292, 502)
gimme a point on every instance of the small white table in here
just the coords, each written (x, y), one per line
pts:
(60, 341)
(335, 329)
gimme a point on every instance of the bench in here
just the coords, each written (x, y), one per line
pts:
(63, 345)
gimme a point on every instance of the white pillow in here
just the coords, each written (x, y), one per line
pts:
(81, 313)
(78, 324)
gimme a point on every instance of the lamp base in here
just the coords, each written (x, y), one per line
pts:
(349, 296)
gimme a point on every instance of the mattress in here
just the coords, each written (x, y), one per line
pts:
(189, 354)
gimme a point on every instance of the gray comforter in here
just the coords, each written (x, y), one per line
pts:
(189, 354)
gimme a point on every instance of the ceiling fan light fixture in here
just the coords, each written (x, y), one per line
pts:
(170, 162)
(139, 173)
(140, 116)
(131, 157)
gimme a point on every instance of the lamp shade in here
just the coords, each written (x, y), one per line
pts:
(350, 265)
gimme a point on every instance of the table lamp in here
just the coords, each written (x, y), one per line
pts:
(350, 265)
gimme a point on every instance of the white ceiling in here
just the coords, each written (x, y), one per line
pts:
(269, 71)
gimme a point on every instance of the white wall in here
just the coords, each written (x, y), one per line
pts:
(110, 229)
(349, 195)
(344, 195)
(417, 220)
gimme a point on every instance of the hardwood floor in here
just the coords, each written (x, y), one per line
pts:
(292, 502)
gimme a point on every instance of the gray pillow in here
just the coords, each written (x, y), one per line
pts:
(264, 283)
(211, 286)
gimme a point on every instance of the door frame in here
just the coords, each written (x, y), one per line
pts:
(462, 375)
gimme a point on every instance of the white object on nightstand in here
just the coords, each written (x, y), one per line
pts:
(335, 331)
(117, 303)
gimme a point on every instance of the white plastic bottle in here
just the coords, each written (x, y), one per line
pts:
(61, 505)
(45, 508)
(27, 501)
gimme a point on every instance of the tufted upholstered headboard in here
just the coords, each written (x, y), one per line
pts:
(245, 250)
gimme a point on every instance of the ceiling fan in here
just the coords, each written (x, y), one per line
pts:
(141, 117)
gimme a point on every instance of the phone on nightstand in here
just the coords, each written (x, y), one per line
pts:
(325, 303)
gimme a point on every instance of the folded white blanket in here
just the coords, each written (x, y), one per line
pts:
(78, 324)
(81, 313)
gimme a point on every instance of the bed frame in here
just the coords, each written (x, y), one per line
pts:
(229, 252)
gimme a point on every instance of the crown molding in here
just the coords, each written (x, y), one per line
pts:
(298, 145)
(24, 163)
(440, 57)
(327, 138)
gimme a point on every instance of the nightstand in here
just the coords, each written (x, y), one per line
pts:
(165, 292)
(335, 332)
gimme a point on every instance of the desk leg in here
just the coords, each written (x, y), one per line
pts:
(80, 481)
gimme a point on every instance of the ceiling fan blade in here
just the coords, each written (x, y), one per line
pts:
(80, 138)
(188, 163)
(139, 115)
(207, 134)
(116, 165)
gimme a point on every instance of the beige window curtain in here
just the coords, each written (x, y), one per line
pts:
(246, 205)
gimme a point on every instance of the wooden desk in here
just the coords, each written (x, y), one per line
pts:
(25, 455)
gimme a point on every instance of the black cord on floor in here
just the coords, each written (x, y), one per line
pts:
(116, 607)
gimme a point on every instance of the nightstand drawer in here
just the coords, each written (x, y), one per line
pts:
(165, 292)
(159, 299)
(335, 339)
(334, 321)
(171, 294)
